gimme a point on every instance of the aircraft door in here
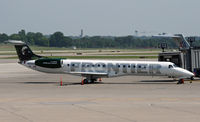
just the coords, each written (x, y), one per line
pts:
(66, 66)
(151, 70)
(170, 70)
(155, 69)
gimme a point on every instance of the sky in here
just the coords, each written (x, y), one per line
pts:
(100, 17)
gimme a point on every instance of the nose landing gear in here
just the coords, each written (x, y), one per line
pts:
(191, 79)
(181, 81)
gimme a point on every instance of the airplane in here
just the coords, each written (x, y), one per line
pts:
(92, 70)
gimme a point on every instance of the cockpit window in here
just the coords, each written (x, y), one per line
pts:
(174, 65)
(170, 66)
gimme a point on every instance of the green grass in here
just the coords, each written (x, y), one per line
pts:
(107, 53)
(10, 47)
(123, 54)
(94, 57)
(37, 48)
(6, 47)
(103, 57)
(13, 57)
(131, 54)
(52, 50)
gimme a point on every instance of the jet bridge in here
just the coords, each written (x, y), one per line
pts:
(188, 57)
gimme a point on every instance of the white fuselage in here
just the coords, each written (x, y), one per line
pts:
(105, 68)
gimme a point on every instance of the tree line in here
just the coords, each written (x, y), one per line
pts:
(58, 39)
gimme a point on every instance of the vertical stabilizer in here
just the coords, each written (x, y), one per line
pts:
(23, 51)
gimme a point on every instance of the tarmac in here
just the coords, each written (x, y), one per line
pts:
(31, 96)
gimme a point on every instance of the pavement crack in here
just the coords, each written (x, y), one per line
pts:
(172, 109)
(15, 114)
(106, 113)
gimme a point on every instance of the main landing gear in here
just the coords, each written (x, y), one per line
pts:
(89, 80)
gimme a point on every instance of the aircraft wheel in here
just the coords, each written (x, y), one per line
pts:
(85, 81)
(92, 81)
(181, 81)
(191, 79)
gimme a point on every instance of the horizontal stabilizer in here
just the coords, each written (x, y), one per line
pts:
(15, 42)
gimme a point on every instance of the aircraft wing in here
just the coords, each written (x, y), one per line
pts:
(90, 73)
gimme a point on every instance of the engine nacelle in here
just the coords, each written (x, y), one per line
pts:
(48, 63)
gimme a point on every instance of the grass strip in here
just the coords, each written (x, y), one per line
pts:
(94, 57)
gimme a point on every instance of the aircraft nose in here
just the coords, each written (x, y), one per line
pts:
(191, 74)
(188, 73)
(185, 73)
